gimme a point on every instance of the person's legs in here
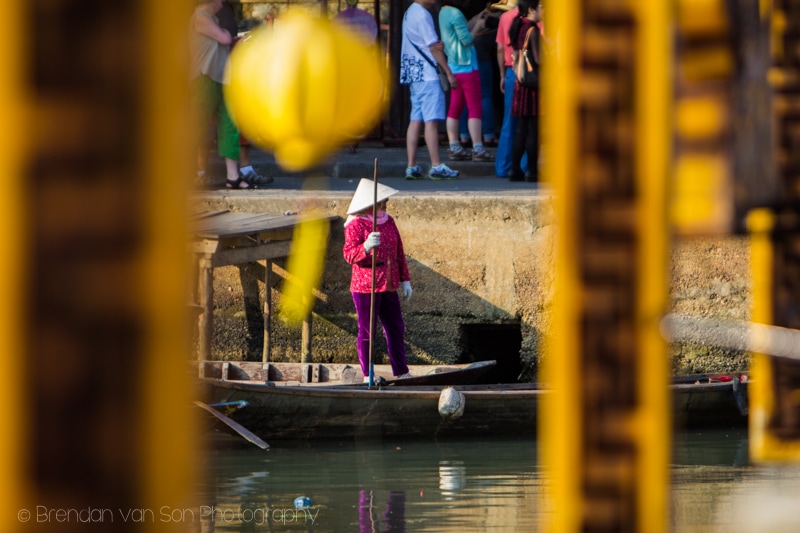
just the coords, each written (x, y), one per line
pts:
(475, 131)
(227, 132)
(362, 303)
(432, 141)
(487, 103)
(532, 149)
(502, 165)
(463, 132)
(227, 140)
(204, 103)
(457, 105)
(412, 141)
(413, 171)
(518, 148)
(471, 86)
(391, 316)
(432, 104)
(455, 151)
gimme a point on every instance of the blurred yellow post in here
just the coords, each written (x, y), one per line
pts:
(560, 427)
(14, 488)
(608, 158)
(169, 437)
(96, 400)
(775, 237)
(705, 71)
(766, 444)
(654, 111)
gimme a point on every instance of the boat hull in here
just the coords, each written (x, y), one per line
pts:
(303, 412)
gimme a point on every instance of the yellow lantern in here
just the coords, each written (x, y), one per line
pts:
(304, 88)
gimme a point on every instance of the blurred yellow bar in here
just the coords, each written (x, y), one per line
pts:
(560, 416)
(764, 446)
(653, 161)
(14, 445)
(169, 437)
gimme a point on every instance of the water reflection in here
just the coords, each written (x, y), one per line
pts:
(466, 486)
(399, 486)
(393, 517)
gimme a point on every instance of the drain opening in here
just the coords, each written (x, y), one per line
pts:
(501, 342)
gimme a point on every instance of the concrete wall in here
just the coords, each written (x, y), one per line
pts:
(474, 259)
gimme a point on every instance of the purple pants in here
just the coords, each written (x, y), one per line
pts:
(390, 315)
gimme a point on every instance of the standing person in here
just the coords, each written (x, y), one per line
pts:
(462, 59)
(525, 104)
(210, 46)
(359, 20)
(486, 47)
(427, 96)
(391, 273)
(227, 21)
(502, 163)
(363, 24)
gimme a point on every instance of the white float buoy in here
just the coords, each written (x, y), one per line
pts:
(451, 403)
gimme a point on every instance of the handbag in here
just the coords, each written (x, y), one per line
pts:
(443, 81)
(527, 71)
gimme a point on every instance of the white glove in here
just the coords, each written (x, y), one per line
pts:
(407, 290)
(373, 240)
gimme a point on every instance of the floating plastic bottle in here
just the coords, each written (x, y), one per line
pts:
(301, 502)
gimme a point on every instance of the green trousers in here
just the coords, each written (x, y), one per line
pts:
(210, 104)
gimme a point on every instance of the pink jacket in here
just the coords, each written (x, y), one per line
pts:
(391, 266)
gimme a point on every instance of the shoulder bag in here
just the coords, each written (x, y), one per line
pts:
(526, 70)
(443, 81)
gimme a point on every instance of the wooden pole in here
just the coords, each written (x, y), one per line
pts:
(267, 348)
(372, 286)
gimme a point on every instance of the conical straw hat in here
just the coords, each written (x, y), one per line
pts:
(365, 193)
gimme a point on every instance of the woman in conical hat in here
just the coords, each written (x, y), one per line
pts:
(391, 273)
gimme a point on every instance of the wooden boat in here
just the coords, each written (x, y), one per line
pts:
(303, 411)
(316, 374)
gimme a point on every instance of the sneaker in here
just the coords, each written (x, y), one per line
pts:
(403, 376)
(459, 155)
(414, 173)
(254, 178)
(443, 172)
(483, 156)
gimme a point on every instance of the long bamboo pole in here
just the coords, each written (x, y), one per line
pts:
(374, 262)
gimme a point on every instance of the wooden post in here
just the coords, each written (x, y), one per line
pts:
(207, 303)
(306, 339)
(267, 312)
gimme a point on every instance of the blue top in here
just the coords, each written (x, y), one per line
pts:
(457, 39)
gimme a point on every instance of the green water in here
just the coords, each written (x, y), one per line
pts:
(460, 486)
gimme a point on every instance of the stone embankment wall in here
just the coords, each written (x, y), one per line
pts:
(482, 270)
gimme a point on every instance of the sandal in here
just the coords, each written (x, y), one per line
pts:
(240, 183)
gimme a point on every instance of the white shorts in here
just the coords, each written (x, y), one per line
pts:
(427, 101)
